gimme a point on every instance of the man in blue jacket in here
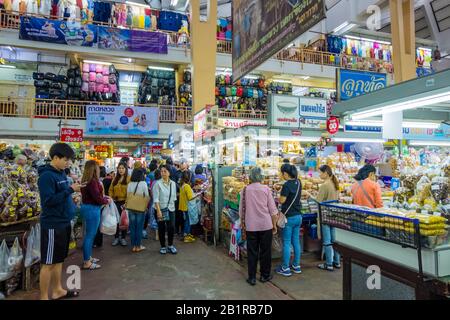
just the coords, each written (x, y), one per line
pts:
(57, 211)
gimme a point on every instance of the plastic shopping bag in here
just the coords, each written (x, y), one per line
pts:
(110, 219)
(33, 251)
(194, 211)
(16, 256)
(5, 267)
(124, 222)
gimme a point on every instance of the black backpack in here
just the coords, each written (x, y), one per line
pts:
(50, 76)
(38, 76)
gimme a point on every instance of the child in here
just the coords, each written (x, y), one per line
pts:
(186, 195)
(57, 212)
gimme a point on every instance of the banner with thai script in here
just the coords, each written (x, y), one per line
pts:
(151, 42)
(114, 38)
(120, 120)
(261, 28)
(313, 113)
(68, 32)
(351, 83)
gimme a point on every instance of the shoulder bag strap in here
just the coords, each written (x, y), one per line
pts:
(366, 194)
(135, 189)
(170, 192)
(293, 200)
(243, 205)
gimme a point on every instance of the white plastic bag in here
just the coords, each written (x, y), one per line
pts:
(110, 219)
(5, 267)
(16, 256)
(194, 208)
(32, 252)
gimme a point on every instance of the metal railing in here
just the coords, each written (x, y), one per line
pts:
(243, 114)
(11, 20)
(76, 110)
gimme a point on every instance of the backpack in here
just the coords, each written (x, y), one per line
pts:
(38, 76)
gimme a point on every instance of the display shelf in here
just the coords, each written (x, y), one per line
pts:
(232, 205)
(7, 224)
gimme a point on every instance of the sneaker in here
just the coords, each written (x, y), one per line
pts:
(173, 250)
(324, 266)
(163, 250)
(191, 236)
(296, 269)
(283, 271)
(123, 242)
(188, 239)
(115, 242)
(144, 234)
(337, 265)
(251, 282)
(266, 279)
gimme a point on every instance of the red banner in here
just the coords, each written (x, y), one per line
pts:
(101, 148)
(296, 132)
(71, 135)
(122, 154)
(333, 125)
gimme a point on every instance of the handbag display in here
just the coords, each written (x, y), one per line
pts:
(137, 203)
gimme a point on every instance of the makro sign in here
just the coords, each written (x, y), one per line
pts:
(352, 83)
(292, 112)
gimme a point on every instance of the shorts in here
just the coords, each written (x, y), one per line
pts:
(55, 245)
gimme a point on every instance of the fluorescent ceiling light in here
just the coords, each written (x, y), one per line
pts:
(359, 140)
(186, 6)
(405, 124)
(285, 138)
(161, 68)
(345, 27)
(251, 77)
(429, 143)
(97, 62)
(7, 66)
(282, 81)
(412, 104)
(131, 3)
(369, 40)
(305, 77)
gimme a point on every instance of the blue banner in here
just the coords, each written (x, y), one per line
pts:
(355, 83)
(441, 133)
(68, 32)
(120, 120)
(114, 39)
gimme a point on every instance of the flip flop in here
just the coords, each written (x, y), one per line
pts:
(70, 294)
(93, 266)
(95, 260)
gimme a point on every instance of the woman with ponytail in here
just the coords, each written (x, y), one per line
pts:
(328, 191)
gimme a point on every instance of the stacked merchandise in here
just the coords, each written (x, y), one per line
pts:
(99, 82)
(10, 266)
(246, 94)
(158, 86)
(171, 21)
(50, 86)
(185, 90)
(75, 84)
(279, 88)
(224, 29)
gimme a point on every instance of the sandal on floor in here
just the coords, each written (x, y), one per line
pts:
(141, 248)
(70, 294)
(93, 266)
(95, 260)
(324, 266)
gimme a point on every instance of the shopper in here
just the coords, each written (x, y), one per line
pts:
(179, 221)
(164, 194)
(107, 181)
(186, 195)
(173, 171)
(127, 162)
(199, 175)
(258, 214)
(93, 199)
(137, 188)
(98, 241)
(328, 191)
(290, 200)
(118, 192)
(58, 210)
(150, 179)
(366, 191)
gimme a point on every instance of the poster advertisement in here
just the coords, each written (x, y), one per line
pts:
(68, 32)
(313, 113)
(261, 28)
(284, 112)
(120, 120)
(199, 125)
(352, 83)
(151, 42)
(114, 39)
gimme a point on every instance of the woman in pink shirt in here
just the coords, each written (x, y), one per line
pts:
(258, 214)
(366, 191)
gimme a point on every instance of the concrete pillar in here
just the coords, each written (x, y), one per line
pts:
(403, 39)
(203, 55)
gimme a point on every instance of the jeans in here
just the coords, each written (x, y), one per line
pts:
(259, 244)
(291, 235)
(331, 255)
(91, 220)
(170, 226)
(187, 224)
(136, 226)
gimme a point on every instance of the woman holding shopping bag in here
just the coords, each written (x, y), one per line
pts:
(93, 199)
(136, 204)
(118, 192)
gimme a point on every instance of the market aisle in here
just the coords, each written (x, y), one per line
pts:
(198, 271)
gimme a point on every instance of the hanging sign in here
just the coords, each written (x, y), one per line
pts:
(313, 113)
(333, 125)
(352, 83)
(71, 135)
(101, 148)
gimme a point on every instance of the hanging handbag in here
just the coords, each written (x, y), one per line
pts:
(137, 203)
(282, 220)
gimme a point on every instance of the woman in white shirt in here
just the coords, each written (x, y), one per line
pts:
(164, 196)
(137, 186)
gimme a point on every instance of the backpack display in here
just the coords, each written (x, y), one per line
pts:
(71, 73)
(77, 72)
(86, 67)
(113, 88)
(85, 87)
(112, 69)
(92, 86)
(56, 85)
(99, 68)
(240, 92)
(105, 70)
(234, 91)
(71, 82)
(187, 76)
(92, 67)
(38, 76)
(228, 91)
(172, 83)
(40, 84)
(222, 91)
(50, 76)
(92, 76)
(78, 82)
(61, 78)
(112, 79)
(85, 77)
(99, 78)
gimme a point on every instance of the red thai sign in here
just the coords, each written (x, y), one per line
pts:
(71, 135)
(333, 125)
(101, 148)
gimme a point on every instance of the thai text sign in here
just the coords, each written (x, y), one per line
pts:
(71, 135)
(355, 83)
(261, 28)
